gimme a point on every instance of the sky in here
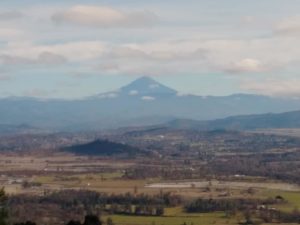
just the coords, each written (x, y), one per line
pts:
(76, 48)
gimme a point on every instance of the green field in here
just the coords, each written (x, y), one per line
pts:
(196, 219)
(292, 198)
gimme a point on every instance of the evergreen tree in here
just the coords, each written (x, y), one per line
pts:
(109, 221)
(92, 220)
(3, 210)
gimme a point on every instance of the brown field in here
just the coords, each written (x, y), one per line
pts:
(66, 171)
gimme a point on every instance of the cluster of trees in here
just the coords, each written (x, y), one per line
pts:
(27, 184)
(212, 205)
(86, 197)
(3, 210)
(75, 204)
(251, 208)
(280, 166)
(91, 198)
(140, 210)
(269, 215)
(206, 141)
(260, 209)
(88, 220)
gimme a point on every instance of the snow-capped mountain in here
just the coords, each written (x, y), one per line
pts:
(142, 102)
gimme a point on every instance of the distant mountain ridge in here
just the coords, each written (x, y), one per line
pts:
(13, 129)
(140, 103)
(245, 122)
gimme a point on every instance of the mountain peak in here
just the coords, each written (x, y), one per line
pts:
(145, 79)
(147, 86)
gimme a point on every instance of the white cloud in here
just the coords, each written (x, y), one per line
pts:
(154, 58)
(73, 51)
(288, 26)
(44, 58)
(10, 15)
(133, 92)
(119, 52)
(248, 19)
(10, 33)
(51, 58)
(164, 57)
(246, 65)
(109, 95)
(196, 56)
(148, 98)
(104, 16)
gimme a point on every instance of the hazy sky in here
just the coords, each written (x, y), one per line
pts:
(72, 48)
